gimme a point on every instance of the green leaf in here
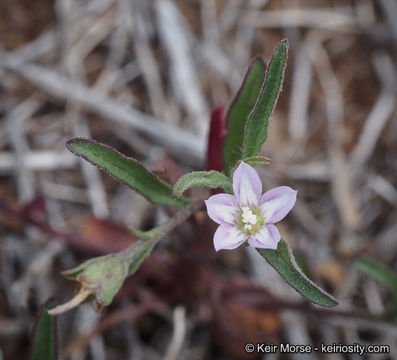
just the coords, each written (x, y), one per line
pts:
(44, 341)
(141, 256)
(380, 273)
(146, 235)
(284, 263)
(152, 233)
(257, 160)
(239, 111)
(126, 170)
(253, 161)
(259, 118)
(211, 179)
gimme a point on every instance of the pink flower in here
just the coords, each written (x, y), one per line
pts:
(249, 215)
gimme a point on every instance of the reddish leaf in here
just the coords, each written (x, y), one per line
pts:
(35, 208)
(105, 236)
(215, 139)
(101, 236)
(242, 315)
(168, 170)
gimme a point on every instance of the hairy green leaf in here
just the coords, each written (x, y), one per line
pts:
(126, 170)
(257, 160)
(141, 256)
(284, 263)
(253, 161)
(259, 118)
(211, 179)
(44, 341)
(239, 111)
(146, 235)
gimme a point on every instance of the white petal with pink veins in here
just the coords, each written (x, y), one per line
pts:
(247, 185)
(228, 237)
(266, 238)
(276, 203)
(222, 208)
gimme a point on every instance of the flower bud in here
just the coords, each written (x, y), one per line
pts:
(102, 277)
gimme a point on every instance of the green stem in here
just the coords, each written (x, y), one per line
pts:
(131, 253)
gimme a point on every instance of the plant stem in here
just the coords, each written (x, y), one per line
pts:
(131, 253)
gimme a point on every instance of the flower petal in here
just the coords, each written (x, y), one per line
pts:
(222, 208)
(276, 203)
(266, 238)
(247, 185)
(228, 237)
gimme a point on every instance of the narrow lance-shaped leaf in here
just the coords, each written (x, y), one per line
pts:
(239, 111)
(44, 340)
(284, 263)
(145, 235)
(380, 273)
(143, 253)
(211, 179)
(150, 234)
(126, 170)
(259, 118)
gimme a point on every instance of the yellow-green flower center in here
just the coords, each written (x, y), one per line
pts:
(249, 220)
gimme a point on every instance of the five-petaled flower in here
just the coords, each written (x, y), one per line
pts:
(249, 215)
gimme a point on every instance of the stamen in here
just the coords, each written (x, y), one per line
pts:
(248, 216)
(250, 220)
(247, 227)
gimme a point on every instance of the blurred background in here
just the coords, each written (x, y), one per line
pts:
(143, 77)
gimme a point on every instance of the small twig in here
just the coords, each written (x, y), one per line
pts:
(174, 35)
(38, 266)
(384, 188)
(341, 176)
(316, 171)
(91, 174)
(128, 313)
(182, 144)
(14, 121)
(336, 20)
(37, 160)
(87, 321)
(137, 27)
(389, 8)
(178, 336)
(380, 113)
(64, 192)
(300, 94)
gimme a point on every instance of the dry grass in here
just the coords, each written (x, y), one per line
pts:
(143, 76)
